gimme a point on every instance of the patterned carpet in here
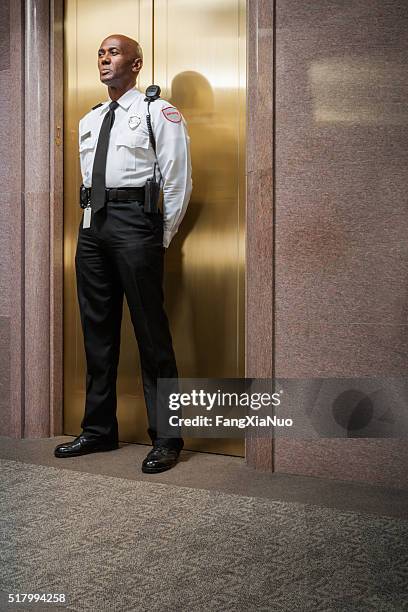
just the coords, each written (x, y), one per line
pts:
(115, 544)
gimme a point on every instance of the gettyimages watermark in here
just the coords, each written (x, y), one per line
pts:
(284, 407)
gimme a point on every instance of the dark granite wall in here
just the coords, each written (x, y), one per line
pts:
(327, 211)
(6, 138)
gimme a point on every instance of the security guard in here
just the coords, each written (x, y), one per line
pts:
(122, 242)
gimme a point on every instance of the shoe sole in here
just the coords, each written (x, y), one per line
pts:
(94, 450)
(157, 470)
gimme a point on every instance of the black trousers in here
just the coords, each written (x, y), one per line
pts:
(121, 254)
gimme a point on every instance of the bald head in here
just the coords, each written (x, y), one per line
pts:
(120, 60)
(129, 44)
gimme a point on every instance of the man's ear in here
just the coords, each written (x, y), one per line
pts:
(137, 65)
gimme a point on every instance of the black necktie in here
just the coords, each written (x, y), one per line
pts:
(99, 165)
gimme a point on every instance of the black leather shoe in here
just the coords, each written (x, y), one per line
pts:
(160, 459)
(83, 446)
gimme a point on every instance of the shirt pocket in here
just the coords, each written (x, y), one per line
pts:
(131, 149)
(87, 146)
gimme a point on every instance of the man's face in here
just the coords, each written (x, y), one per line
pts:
(116, 62)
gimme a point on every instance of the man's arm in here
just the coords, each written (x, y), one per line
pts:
(173, 155)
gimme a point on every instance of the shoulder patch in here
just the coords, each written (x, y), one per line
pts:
(97, 105)
(172, 114)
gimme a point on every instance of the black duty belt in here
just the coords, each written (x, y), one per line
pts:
(122, 194)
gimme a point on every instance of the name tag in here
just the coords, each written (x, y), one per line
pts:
(85, 136)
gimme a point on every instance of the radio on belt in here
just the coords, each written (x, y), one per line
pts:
(152, 187)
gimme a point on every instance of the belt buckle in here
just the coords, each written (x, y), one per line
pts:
(112, 194)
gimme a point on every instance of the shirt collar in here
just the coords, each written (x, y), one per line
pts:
(124, 101)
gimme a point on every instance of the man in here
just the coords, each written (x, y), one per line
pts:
(121, 246)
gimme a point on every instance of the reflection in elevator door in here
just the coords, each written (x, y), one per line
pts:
(201, 70)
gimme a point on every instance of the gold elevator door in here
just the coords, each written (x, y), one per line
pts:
(196, 53)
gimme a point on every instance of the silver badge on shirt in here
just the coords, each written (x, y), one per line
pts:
(134, 121)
